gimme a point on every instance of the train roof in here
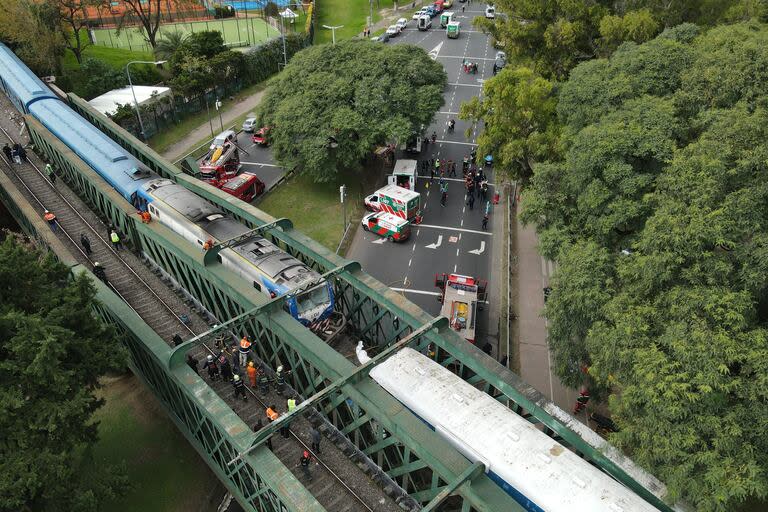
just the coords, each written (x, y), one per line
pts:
(112, 162)
(537, 466)
(23, 82)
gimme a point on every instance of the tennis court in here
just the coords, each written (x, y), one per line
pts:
(235, 31)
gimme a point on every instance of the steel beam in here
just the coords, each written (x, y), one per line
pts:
(464, 479)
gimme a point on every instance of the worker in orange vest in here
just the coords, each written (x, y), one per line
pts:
(252, 373)
(272, 413)
(245, 348)
(51, 219)
(145, 217)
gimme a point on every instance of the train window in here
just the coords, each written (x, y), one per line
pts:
(200, 242)
(218, 257)
(257, 286)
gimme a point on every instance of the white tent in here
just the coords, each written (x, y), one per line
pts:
(107, 103)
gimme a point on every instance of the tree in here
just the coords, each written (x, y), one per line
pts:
(72, 22)
(52, 354)
(206, 43)
(168, 44)
(334, 103)
(31, 31)
(271, 10)
(519, 112)
(149, 14)
(100, 78)
(636, 26)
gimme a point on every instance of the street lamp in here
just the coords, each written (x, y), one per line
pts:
(130, 84)
(333, 31)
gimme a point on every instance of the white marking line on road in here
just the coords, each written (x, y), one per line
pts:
(479, 251)
(449, 113)
(457, 84)
(413, 249)
(465, 208)
(460, 57)
(460, 237)
(456, 229)
(436, 244)
(410, 261)
(257, 163)
(379, 241)
(455, 142)
(462, 223)
(457, 252)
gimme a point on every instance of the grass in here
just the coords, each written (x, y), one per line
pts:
(166, 473)
(251, 31)
(115, 57)
(172, 134)
(350, 13)
(314, 208)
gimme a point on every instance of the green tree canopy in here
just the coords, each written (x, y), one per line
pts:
(658, 218)
(52, 353)
(334, 104)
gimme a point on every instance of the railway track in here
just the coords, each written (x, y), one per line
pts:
(333, 473)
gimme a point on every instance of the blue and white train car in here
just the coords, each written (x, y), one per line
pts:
(19, 83)
(540, 473)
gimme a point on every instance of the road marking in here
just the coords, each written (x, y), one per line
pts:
(443, 141)
(464, 85)
(413, 249)
(457, 252)
(479, 251)
(453, 239)
(455, 267)
(410, 261)
(436, 244)
(470, 59)
(449, 113)
(486, 233)
(462, 223)
(419, 292)
(257, 163)
(379, 241)
(436, 50)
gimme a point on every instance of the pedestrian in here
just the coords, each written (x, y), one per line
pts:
(438, 165)
(263, 382)
(285, 430)
(192, 362)
(245, 349)
(226, 368)
(485, 222)
(115, 238)
(86, 243)
(49, 172)
(212, 367)
(177, 340)
(487, 348)
(432, 163)
(465, 164)
(252, 374)
(234, 356)
(484, 189)
(50, 218)
(487, 208)
(304, 462)
(443, 196)
(504, 361)
(258, 426)
(98, 271)
(463, 7)
(23, 154)
(453, 169)
(314, 435)
(473, 155)
(471, 190)
(239, 388)
(8, 152)
(15, 153)
(279, 381)
(471, 202)
(581, 400)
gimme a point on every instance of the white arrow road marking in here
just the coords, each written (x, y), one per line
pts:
(433, 53)
(379, 241)
(436, 244)
(481, 250)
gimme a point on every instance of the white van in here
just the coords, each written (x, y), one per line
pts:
(490, 12)
(425, 22)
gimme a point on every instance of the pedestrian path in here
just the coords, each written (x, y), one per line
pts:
(181, 147)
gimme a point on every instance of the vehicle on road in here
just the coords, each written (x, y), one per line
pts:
(447, 4)
(404, 174)
(396, 200)
(425, 23)
(499, 62)
(461, 297)
(249, 124)
(413, 144)
(432, 11)
(222, 138)
(392, 227)
(220, 164)
(383, 38)
(392, 30)
(453, 30)
(402, 23)
(490, 12)
(439, 6)
(446, 18)
(261, 137)
(245, 186)
(420, 12)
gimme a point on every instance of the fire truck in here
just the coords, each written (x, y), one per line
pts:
(245, 186)
(462, 297)
(220, 164)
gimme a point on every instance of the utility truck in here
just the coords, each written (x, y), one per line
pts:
(462, 297)
(220, 164)
(404, 174)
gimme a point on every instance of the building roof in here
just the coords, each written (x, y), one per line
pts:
(107, 103)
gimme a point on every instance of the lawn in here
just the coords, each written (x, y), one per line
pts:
(350, 13)
(166, 473)
(314, 208)
(235, 31)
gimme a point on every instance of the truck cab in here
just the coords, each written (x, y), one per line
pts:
(424, 22)
(404, 174)
(245, 186)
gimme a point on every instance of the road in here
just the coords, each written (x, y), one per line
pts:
(450, 239)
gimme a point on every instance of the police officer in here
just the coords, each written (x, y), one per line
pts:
(98, 271)
(280, 381)
(263, 382)
(239, 387)
(212, 367)
(304, 463)
(291, 403)
(226, 369)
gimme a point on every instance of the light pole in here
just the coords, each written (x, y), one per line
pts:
(333, 31)
(130, 84)
(218, 109)
(282, 27)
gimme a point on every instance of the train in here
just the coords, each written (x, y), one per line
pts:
(308, 297)
(537, 471)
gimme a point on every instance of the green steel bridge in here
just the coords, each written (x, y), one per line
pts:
(390, 458)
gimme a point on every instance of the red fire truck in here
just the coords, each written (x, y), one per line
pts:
(244, 186)
(462, 297)
(220, 164)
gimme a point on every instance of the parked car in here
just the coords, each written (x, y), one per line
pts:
(249, 124)
(420, 12)
(261, 136)
(490, 12)
(225, 136)
(402, 23)
(392, 30)
(499, 62)
(383, 38)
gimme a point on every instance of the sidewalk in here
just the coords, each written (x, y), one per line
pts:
(181, 147)
(535, 360)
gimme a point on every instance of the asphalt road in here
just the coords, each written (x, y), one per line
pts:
(450, 238)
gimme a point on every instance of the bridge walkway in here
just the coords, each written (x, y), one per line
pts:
(339, 482)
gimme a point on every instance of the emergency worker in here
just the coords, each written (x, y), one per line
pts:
(245, 349)
(239, 387)
(212, 367)
(252, 374)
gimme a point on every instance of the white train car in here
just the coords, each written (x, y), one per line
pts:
(540, 473)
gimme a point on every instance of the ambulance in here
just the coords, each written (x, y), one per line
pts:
(392, 227)
(446, 18)
(404, 174)
(453, 30)
(396, 200)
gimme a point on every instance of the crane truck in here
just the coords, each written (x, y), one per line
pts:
(462, 297)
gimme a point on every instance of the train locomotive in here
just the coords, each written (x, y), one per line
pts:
(537, 471)
(308, 297)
